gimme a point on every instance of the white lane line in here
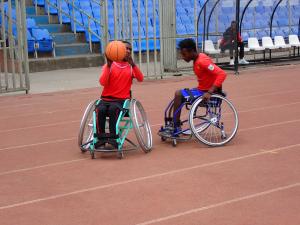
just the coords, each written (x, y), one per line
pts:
(269, 125)
(224, 203)
(40, 126)
(42, 166)
(241, 97)
(36, 144)
(267, 107)
(145, 177)
(77, 121)
(154, 125)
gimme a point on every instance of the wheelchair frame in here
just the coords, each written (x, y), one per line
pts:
(212, 117)
(132, 108)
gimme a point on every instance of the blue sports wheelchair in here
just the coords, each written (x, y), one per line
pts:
(131, 116)
(213, 123)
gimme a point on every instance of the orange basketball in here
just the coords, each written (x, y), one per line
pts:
(116, 51)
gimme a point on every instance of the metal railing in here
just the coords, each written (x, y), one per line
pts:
(14, 66)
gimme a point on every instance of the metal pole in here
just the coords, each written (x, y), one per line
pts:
(243, 13)
(161, 40)
(147, 36)
(123, 20)
(20, 43)
(139, 33)
(11, 44)
(3, 33)
(154, 37)
(237, 19)
(104, 25)
(25, 47)
(130, 27)
(272, 16)
(115, 20)
(209, 17)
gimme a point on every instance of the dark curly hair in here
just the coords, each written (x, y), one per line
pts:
(188, 43)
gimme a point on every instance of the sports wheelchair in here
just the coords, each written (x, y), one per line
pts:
(131, 116)
(213, 123)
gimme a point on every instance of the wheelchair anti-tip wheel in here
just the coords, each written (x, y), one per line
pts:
(85, 136)
(141, 125)
(215, 122)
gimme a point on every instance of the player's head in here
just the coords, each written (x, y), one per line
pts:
(233, 25)
(188, 49)
(128, 49)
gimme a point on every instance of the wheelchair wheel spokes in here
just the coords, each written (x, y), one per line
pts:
(141, 125)
(220, 123)
(85, 135)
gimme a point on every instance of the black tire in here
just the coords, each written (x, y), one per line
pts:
(214, 123)
(141, 125)
(86, 127)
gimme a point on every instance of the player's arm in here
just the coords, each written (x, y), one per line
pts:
(104, 78)
(136, 72)
(220, 77)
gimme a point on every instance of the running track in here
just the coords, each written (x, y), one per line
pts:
(255, 179)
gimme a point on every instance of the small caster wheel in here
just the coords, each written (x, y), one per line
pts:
(83, 150)
(93, 154)
(174, 142)
(223, 135)
(120, 155)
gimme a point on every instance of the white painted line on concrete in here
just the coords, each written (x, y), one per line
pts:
(145, 178)
(36, 144)
(40, 167)
(224, 203)
(40, 126)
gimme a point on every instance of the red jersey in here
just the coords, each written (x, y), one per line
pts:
(117, 80)
(208, 73)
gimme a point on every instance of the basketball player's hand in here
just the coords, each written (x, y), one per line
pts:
(108, 61)
(130, 60)
(206, 96)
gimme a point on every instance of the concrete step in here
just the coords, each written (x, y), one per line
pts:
(55, 28)
(68, 62)
(72, 49)
(39, 19)
(65, 38)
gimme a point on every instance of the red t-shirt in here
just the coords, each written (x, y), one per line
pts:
(208, 73)
(117, 80)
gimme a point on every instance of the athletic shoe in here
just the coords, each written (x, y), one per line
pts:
(231, 63)
(243, 61)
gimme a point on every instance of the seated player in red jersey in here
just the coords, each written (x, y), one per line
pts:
(210, 77)
(116, 79)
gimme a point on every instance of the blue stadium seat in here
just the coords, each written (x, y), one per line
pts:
(30, 42)
(31, 24)
(39, 2)
(261, 22)
(65, 8)
(94, 38)
(43, 39)
(281, 22)
(49, 7)
(79, 27)
(180, 29)
(190, 28)
(261, 33)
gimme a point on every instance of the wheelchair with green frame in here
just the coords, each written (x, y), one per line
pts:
(132, 116)
(213, 123)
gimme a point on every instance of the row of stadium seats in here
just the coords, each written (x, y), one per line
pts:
(38, 40)
(267, 43)
(184, 18)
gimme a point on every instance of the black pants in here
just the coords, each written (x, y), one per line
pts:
(112, 110)
(230, 46)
